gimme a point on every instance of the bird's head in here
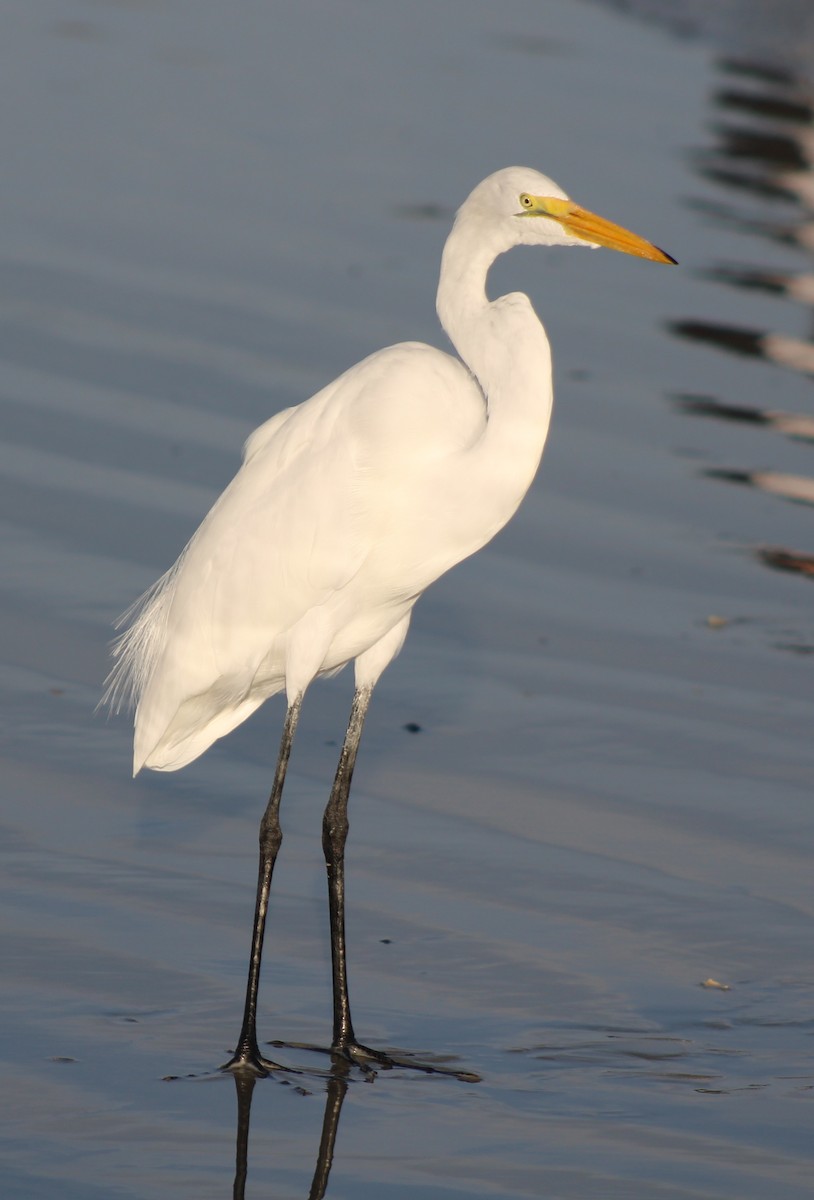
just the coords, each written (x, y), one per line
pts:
(531, 210)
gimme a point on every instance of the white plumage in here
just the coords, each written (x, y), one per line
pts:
(348, 506)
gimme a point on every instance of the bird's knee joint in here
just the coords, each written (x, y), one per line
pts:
(335, 828)
(271, 837)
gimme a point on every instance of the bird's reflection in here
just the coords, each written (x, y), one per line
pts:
(336, 1090)
(244, 1086)
(336, 1081)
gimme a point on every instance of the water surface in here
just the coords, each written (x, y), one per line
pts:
(607, 802)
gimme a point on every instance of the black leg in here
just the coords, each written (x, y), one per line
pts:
(247, 1054)
(334, 836)
(345, 1048)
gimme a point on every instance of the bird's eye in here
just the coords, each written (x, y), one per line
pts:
(526, 200)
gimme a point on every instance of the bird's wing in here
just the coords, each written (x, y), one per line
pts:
(308, 507)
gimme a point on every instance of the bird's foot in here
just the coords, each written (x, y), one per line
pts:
(370, 1061)
(248, 1059)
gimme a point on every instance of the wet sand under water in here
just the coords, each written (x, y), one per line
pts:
(585, 787)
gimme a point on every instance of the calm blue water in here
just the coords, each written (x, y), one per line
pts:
(207, 213)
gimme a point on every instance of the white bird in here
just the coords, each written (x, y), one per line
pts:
(344, 510)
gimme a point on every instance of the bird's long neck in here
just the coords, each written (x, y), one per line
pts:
(505, 347)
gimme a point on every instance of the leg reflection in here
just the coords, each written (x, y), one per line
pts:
(245, 1083)
(337, 1089)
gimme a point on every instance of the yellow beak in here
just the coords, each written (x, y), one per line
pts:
(581, 223)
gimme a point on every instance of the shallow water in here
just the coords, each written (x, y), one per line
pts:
(608, 799)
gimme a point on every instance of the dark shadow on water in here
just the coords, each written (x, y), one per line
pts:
(781, 559)
(793, 425)
(758, 170)
(798, 488)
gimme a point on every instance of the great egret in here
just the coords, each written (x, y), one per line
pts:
(344, 510)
